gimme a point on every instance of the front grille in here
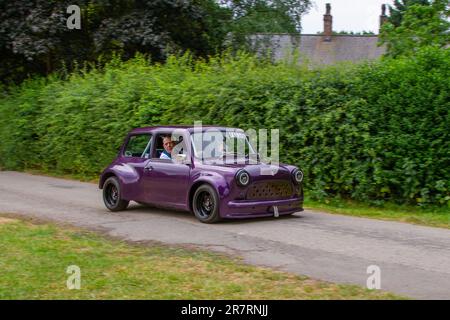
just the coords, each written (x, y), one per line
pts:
(269, 190)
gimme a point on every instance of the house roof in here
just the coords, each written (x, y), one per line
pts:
(316, 50)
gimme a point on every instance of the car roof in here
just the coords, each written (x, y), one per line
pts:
(156, 129)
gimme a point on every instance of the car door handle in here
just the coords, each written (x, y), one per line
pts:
(148, 168)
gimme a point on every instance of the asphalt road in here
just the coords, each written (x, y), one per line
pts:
(413, 260)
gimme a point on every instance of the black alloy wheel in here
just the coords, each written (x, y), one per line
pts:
(112, 195)
(206, 204)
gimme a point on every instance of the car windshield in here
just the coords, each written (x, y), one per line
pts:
(219, 144)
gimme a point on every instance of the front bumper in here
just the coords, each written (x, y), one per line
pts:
(253, 209)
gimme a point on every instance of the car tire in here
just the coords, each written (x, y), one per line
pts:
(205, 204)
(112, 195)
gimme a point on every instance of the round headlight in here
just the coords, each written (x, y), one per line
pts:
(297, 175)
(242, 178)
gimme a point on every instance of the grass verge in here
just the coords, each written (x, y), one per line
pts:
(34, 259)
(432, 216)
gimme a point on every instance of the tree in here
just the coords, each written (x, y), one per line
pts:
(397, 11)
(34, 38)
(421, 25)
(250, 17)
(267, 16)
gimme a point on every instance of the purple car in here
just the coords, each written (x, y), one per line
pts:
(214, 175)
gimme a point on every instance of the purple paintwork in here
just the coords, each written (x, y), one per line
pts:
(172, 185)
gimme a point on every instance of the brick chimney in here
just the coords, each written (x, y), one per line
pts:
(327, 23)
(383, 16)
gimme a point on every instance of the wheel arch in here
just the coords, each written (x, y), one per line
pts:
(194, 188)
(105, 177)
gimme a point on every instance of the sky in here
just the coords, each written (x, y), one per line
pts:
(348, 15)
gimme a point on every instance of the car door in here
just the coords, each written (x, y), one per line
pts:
(135, 155)
(166, 182)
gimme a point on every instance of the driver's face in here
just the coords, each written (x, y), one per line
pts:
(168, 144)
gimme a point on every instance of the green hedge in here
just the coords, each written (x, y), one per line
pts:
(371, 132)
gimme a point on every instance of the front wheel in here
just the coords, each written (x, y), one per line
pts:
(112, 195)
(206, 204)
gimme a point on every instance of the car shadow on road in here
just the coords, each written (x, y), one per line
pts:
(296, 216)
(188, 215)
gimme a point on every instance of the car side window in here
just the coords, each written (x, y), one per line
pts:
(159, 146)
(138, 146)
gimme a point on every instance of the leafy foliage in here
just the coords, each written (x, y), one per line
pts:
(34, 38)
(397, 11)
(258, 16)
(371, 132)
(420, 26)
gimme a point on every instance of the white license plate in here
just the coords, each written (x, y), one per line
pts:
(276, 214)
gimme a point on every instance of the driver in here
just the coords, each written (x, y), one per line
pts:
(168, 145)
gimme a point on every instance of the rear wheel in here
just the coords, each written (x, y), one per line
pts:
(112, 195)
(205, 204)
